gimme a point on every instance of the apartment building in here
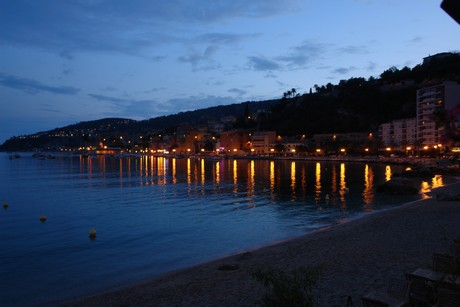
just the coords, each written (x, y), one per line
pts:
(399, 134)
(429, 99)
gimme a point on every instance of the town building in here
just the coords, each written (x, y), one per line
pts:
(431, 101)
(234, 142)
(399, 134)
(262, 141)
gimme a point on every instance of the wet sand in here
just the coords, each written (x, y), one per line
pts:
(356, 257)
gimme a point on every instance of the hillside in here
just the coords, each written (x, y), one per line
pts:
(353, 105)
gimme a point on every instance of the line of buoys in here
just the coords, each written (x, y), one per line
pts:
(92, 234)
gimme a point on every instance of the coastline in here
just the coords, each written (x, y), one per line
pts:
(356, 257)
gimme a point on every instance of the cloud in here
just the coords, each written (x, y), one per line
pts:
(195, 57)
(114, 100)
(154, 90)
(270, 75)
(49, 109)
(354, 50)
(416, 39)
(371, 66)
(262, 64)
(303, 54)
(343, 70)
(223, 38)
(66, 54)
(31, 86)
(67, 27)
(158, 58)
(134, 108)
(237, 91)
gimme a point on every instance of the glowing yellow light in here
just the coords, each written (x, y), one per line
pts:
(366, 149)
(409, 148)
(342, 150)
(318, 150)
(235, 149)
(388, 148)
(425, 147)
(272, 149)
(292, 150)
(188, 149)
(202, 149)
(252, 149)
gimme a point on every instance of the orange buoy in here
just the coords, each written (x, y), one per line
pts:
(42, 218)
(5, 205)
(92, 233)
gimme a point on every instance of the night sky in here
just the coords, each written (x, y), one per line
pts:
(66, 61)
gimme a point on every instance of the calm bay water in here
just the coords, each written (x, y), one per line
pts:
(153, 215)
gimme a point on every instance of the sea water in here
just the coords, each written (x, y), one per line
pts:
(153, 215)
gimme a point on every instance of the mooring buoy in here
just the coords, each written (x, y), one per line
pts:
(92, 233)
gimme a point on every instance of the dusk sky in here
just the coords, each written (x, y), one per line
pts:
(66, 61)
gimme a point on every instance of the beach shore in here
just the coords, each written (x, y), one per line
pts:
(356, 257)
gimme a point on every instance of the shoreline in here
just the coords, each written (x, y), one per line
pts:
(357, 257)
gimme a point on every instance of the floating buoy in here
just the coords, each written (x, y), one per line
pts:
(5, 205)
(92, 233)
(42, 218)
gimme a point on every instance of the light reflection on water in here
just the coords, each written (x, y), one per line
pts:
(155, 214)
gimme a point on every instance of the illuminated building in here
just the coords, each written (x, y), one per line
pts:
(430, 99)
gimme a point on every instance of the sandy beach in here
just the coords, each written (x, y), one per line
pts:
(356, 257)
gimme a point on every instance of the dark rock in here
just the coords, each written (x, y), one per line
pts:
(399, 186)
